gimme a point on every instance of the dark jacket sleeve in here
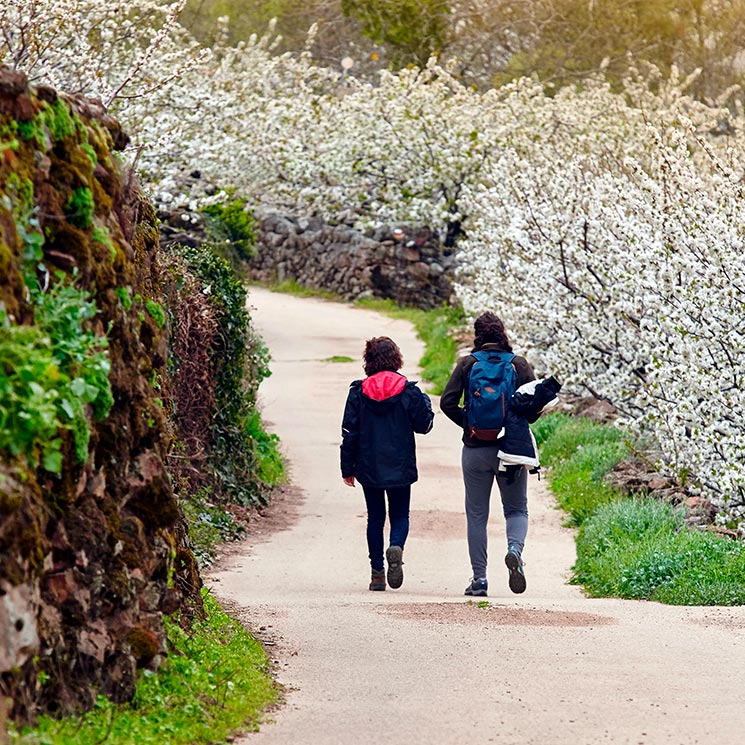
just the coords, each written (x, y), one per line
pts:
(350, 431)
(524, 371)
(452, 395)
(529, 405)
(420, 410)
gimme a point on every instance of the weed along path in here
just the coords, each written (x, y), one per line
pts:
(421, 664)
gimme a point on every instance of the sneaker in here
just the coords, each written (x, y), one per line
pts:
(395, 566)
(377, 580)
(515, 566)
(477, 587)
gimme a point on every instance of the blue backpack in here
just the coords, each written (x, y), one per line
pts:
(491, 383)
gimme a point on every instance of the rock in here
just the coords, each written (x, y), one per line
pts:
(19, 640)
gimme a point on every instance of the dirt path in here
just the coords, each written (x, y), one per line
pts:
(421, 664)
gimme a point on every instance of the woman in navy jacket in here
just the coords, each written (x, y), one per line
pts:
(381, 415)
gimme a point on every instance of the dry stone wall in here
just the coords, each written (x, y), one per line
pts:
(405, 264)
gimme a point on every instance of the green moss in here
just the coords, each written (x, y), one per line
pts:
(90, 152)
(10, 145)
(101, 235)
(156, 312)
(33, 130)
(79, 207)
(59, 120)
(9, 130)
(21, 193)
(125, 297)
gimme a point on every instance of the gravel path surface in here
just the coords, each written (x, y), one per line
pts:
(421, 664)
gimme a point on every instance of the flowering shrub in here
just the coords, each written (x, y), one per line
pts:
(606, 227)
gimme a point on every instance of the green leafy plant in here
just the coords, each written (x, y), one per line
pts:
(232, 225)
(53, 370)
(245, 459)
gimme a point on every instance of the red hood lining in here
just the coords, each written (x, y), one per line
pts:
(383, 385)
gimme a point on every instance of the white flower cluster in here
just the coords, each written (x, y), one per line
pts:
(605, 227)
(610, 237)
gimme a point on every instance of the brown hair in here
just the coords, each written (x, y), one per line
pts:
(382, 353)
(488, 328)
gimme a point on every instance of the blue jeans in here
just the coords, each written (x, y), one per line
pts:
(398, 513)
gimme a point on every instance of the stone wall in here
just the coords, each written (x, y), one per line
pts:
(93, 554)
(407, 265)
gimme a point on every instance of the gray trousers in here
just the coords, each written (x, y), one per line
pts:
(480, 468)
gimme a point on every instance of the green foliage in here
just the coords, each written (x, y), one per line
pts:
(79, 207)
(270, 467)
(579, 452)
(245, 458)
(51, 371)
(31, 405)
(412, 30)
(209, 525)
(214, 683)
(233, 226)
(338, 358)
(632, 547)
(640, 548)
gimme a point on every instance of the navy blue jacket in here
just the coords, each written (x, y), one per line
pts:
(517, 444)
(381, 415)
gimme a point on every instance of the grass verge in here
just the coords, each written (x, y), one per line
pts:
(215, 683)
(632, 547)
(434, 327)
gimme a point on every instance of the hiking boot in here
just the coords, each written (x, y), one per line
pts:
(395, 566)
(377, 580)
(515, 567)
(478, 587)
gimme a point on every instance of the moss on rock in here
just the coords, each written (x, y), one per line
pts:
(98, 538)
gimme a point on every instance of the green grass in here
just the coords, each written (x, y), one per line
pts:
(338, 358)
(434, 327)
(290, 287)
(215, 683)
(632, 547)
(641, 548)
(579, 452)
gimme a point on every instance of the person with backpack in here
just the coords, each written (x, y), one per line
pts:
(381, 415)
(485, 381)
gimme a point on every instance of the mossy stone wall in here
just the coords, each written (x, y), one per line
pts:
(92, 556)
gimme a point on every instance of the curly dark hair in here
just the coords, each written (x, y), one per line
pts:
(382, 353)
(488, 328)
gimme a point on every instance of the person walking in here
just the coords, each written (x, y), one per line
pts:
(480, 460)
(378, 449)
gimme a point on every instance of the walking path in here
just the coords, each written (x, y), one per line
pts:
(422, 664)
